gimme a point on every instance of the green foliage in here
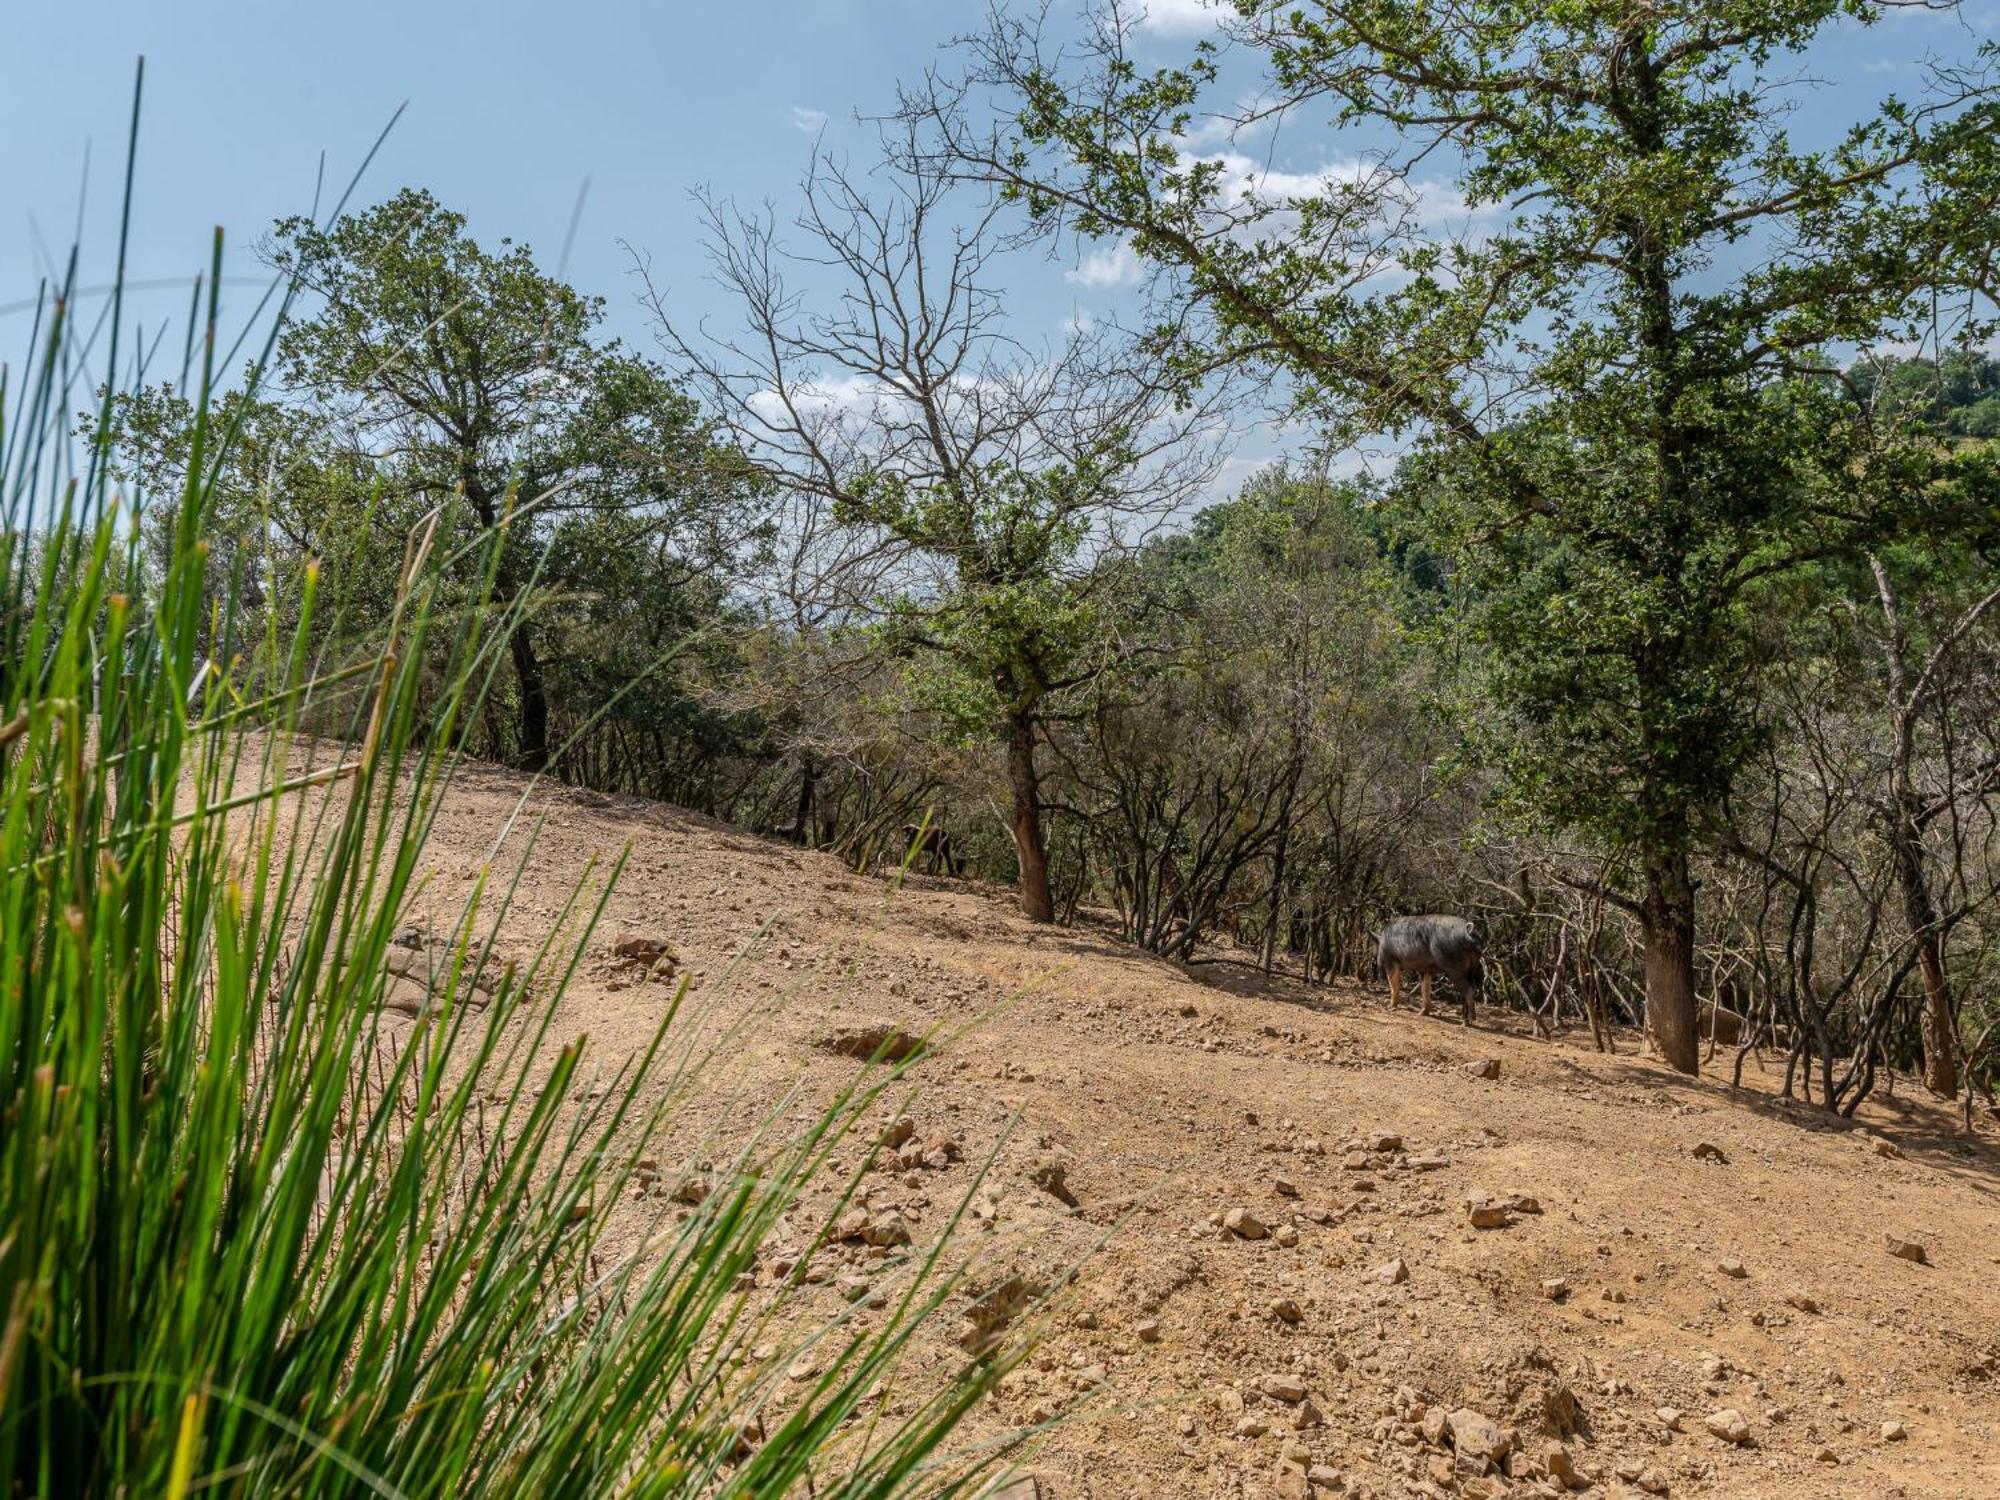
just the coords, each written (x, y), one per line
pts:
(1601, 373)
(1958, 395)
(476, 382)
(1016, 618)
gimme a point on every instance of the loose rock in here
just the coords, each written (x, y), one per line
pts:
(1244, 1224)
(1053, 1178)
(882, 1042)
(1728, 1424)
(1475, 1433)
(1282, 1388)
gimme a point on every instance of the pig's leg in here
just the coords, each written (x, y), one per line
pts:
(1395, 986)
(1427, 991)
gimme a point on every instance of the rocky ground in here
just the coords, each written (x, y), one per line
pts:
(1324, 1249)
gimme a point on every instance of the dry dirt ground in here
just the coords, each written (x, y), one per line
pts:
(1656, 1287)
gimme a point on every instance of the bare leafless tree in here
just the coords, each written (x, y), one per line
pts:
(933, 457)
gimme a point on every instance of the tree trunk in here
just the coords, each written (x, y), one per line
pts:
(532, 751)
(1029, 842)
(1940, 1026)
(1278, 854)
(802, 818)
(1668, 918)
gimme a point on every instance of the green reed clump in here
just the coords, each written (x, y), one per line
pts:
(254, 1240)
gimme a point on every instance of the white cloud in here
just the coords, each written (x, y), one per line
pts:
(811, 121)
(1111, 266)
(1247, 183)
(1185, 17)
(843, 395)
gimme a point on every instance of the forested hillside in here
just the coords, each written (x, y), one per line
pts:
(865, 567)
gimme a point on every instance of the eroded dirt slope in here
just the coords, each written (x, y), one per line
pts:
(1359, 1335)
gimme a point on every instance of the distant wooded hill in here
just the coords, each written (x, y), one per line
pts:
(1960, 392)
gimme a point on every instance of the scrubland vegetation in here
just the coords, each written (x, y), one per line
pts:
(1667, 646)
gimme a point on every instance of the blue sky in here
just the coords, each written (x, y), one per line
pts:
(512, 105)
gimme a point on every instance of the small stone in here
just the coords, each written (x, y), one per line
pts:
(1894, 1431)
(1285, 1310)
(1286, 1236)
(1052, 1177)
(1904, 1249)
(1824, 1455)
(1475, 1433)
(1306, 1416)
(642, 949)
(1728, 1424)
(1557, 1464)
(887, 1231)
(1734, 1268)
(1282, 1388)
(1651, 1480)
(1880, 1147)
(1148, 1330)
(1486, 1213)
(1670, 1418)
(1394, 1272)
(1555, 1288)
(1244, 1224)
(1252, 1427)
(1802, 1300)
(1285, 1188)
(850, 1224)
(1384, 1141)
(877, 1043)
(1484, 1067)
